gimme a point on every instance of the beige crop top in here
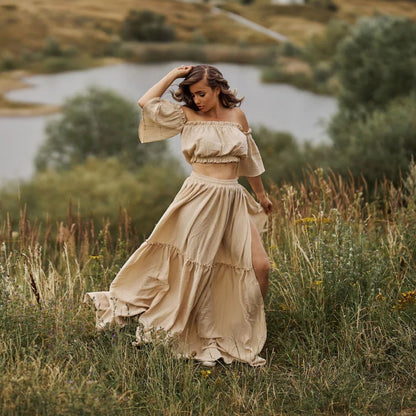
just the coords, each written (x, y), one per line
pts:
(202, 141)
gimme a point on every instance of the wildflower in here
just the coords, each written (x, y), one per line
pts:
(406, 299)
(205, 373)
(379, 297)
(317, 282)
(283, 307)
(312, 220)
(99, 257)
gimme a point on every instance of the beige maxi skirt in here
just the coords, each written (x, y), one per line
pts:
(193, 277)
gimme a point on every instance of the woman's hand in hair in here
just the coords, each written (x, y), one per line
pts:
(181, 71)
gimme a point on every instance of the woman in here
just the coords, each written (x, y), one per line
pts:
(202, 274)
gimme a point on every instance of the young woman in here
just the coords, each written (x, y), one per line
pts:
(202, 274)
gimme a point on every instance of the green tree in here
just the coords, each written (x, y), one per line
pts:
(377, 144)
(145, 25)
(377, 62)
(97, 123)
(323, 47)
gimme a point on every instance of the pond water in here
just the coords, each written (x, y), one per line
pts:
(276, 106)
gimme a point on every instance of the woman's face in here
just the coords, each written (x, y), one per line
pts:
(205, 98)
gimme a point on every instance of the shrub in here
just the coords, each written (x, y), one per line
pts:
(145, 25)
(96, 123)
(98, 189)
(323, 47)
(379, 143)
(376, 63)
(52, 47)
(8, 62)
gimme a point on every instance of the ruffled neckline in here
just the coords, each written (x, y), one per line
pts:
(219, 123)
(216, 123)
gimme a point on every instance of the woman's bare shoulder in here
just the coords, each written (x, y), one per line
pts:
(189, 113)
(241, 118)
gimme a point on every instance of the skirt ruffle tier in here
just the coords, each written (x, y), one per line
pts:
(193, 277)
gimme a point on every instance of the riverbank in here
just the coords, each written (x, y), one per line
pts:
(10, 81)
(15, 80)
(133, 52)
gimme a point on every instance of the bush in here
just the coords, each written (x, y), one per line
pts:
(376, 63)
(8, 62)
(96, 123)
(59, 63)
(280, 153)
(52, 47)
(98, 189)
(378, 144)
(145, 25)
(322, 72)
(324, 47)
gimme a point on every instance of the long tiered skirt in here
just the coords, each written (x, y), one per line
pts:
(193, 277)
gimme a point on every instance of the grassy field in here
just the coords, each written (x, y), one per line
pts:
(91, 25)
(301, 22)
(340, 312)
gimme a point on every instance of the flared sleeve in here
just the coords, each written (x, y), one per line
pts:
(252, 165)
(161, 119)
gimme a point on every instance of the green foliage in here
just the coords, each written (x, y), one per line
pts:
(8, 62)
(289, 49)
(98, 189)
(52, 47)
(377, 62)
(378, 144)
(323, 47)
(284, 158)
(323, 4)
(281, 154)
(339, 341)
(145, 25)
(97, 123)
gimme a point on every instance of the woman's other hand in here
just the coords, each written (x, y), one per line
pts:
(265, 202)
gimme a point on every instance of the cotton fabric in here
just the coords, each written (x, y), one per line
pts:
(202, 141)
(193, 277)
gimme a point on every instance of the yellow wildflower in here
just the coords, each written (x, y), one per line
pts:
(318, 282)
(312, 220)
(406, 299)
(99, 257)
(205, 373)
(379, 297)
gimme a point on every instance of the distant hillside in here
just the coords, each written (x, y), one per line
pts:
(92, 25)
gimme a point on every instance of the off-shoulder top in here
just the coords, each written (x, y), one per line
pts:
(202, 141)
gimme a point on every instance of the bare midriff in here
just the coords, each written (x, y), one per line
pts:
(217, 170)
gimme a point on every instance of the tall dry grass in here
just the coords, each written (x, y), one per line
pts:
(340, 312)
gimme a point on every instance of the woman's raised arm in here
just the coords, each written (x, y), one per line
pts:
(160, 87)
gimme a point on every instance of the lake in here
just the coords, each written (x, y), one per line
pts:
(276, 106)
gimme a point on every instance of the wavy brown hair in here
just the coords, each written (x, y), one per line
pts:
(214, 79)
